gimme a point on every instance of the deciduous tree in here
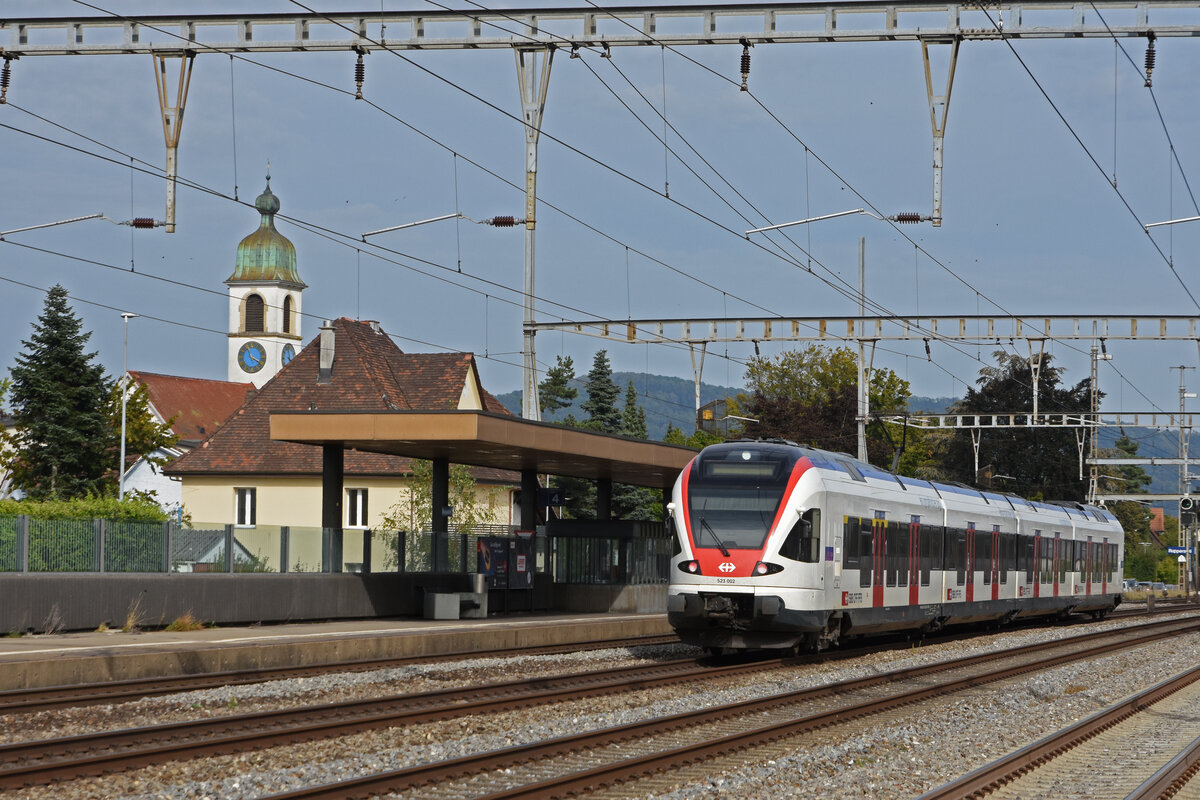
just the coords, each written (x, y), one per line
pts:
(810, 396)
(1041, 463)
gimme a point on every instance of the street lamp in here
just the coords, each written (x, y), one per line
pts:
(125, 316)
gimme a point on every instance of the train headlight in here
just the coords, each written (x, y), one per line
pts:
(767, 568)
(690, 567)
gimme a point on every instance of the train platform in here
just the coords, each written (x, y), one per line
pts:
(38, 661)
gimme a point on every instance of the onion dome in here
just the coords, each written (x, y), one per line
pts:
(266, 254)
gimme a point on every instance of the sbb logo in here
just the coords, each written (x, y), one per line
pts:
(727, 566)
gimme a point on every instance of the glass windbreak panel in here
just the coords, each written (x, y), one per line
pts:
(734, 492)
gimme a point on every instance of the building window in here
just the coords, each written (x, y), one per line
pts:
(356, 508)
(287, 314)
(247, 507)
(255, 308)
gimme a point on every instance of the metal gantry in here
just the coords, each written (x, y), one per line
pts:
(536, 33)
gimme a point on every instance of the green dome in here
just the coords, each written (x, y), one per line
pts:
(266, 254)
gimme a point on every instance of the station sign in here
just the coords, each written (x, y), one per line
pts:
(1179, 551)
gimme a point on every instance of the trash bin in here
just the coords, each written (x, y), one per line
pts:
(475, 602)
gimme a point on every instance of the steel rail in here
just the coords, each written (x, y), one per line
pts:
(1000, 772)
(43, 761)
(1172, 776)
(400, 780)
(41, 699)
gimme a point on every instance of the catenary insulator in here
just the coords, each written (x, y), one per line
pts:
(503, 222)
(1150, 56)
(745, 64)
(5, 79)
(360, 72)
(142, 222)
(907, 217)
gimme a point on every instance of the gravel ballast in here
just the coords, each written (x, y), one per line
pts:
(898, 754)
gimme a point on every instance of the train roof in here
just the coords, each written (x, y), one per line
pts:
(861, 470)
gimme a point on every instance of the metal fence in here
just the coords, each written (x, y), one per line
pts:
(611, 560)
(30, 545)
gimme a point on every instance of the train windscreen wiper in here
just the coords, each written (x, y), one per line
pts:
(704, 524)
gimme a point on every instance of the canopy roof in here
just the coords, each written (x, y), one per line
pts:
(489, 440)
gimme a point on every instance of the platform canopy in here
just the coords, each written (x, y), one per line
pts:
(484, 439)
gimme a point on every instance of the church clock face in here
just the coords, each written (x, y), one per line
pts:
(252, 357)
(288, 354)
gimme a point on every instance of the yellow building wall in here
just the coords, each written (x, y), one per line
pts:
(296, 501)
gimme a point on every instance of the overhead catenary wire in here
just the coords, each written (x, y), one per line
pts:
(1124, 200)
(434, 140)
(847, 292)
(502, 112)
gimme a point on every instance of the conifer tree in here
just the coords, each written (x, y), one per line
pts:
(634, 502)
(556, 391)
(633, 418)
(601, 405)
(62, 436)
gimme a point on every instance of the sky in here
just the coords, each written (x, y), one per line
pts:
(1032, 223)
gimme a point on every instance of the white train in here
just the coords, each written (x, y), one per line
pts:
(781, 546)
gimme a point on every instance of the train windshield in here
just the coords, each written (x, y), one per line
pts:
(734, 492)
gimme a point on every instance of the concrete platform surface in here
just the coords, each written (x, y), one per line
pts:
(39, 661)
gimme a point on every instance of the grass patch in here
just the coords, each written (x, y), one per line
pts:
(186, 622)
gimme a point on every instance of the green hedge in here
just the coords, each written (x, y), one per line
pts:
(130, 510)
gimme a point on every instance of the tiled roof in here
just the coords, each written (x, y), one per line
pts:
(370, 373)
(199, 405)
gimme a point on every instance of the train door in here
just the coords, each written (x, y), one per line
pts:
(914, 559)
(995, 566)
(1088, 564)
(1054, 563)
(970, 562)
(1105, 567)
(1037, 563)
(878, 558)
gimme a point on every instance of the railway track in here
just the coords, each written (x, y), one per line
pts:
(40, 762)
(48, 760)
(585, 762)
(44, 699)
(28, 700)
(1143, 747)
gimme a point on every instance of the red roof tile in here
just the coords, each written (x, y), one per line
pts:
(198, 405)
(370, 373)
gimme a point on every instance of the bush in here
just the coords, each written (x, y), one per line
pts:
(134, 508)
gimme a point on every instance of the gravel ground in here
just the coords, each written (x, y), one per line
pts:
(893, 755)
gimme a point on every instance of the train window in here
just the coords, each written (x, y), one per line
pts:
(1079, 559)
(956, 554)
(983, 555)
(931, 551)
(1064, 559)
(896, 548)
(734, 493)
(850, 534)
(803, 542)
(1028, 558)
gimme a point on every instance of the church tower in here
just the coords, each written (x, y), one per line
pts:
(264, 300)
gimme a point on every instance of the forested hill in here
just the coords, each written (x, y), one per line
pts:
(673, 400)
(666, 400)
